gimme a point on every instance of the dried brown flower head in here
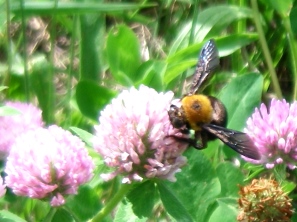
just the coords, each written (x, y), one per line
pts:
(263, 200)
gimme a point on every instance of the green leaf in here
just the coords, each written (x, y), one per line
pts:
(283, 7)
(123, 54)
(142, 198)
(92, 41)
(226, 45)
(41, 82)
(3, 87)
(9, 111)
(49, 7)
(294, 217)
(85, 204)
(240, 98)
(6, 216)
(151, 73)
(227, 209)
(218, 17)
(254, 170)
(231, 43)
(91, 98)
(288, 186)
(293, 19)
(177, 69)
(188, 57)
(62, 215)
(197, 186)
(229, 176)
(125, 213)
(172, 203)
(84, 135)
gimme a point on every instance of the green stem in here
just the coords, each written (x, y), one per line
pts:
(50, 214)
(280, 173)
(293, 51)
(75, 218)
(265, 49)
(92, 39)
(70, 72)
(112, 203)
(51, 87)
(194, 22)
(239, 27)
(191, 36)
(9, 44)
(24, 31)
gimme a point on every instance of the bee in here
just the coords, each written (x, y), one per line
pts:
(206, 115)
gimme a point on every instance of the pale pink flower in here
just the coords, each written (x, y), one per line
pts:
(48, 164)
(133, 137)
(274, 132)
(14, 125)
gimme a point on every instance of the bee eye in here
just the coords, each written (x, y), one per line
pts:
(173, 108)
(172, 111)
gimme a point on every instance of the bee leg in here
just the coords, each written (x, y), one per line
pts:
(185, 130)
(189, 141)
(194, 143)
(199, 141)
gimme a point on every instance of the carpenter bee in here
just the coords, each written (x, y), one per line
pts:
(206, 115)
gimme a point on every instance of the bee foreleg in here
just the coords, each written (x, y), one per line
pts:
(192, 142)
(199, 141)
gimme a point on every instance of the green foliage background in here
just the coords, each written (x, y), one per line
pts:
(120, 44)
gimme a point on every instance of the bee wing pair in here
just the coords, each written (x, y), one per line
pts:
(208, 62)
(238, 141)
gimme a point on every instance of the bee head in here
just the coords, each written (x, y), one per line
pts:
(176, 117)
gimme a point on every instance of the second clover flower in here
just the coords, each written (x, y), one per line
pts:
(274, 132)
(132, 136)
(48, 164)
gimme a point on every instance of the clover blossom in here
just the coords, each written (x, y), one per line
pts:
(14, 125)
(274, 132)
(134, 136)
(48, 164)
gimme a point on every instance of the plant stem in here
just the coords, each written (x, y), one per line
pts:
(191, 37)
(112, 203)
(9, 44)
(280, 173)
(237, 61)
(75, 218)
(92, 39)
(24, 31)
(51, 87)
(265, 49)
(70, 71)
(50, 214)
(194, 22)
(293, 52)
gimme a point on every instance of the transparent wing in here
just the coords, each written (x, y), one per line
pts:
(208, 62)
(238, 141)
